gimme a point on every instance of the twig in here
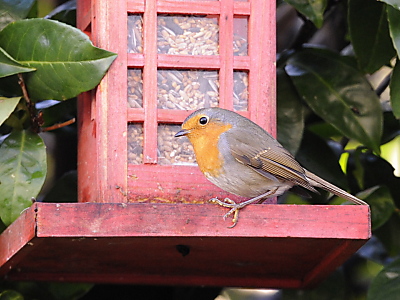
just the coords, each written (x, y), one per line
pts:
(60, 125)
(31, 106)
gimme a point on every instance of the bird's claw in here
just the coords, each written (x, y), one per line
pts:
(234, 209)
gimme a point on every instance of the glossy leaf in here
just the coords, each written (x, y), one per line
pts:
(316, 156)
(68, 291)
(65, 13)
(13, 10)
(66, 61)
(22, 172)
(394, 3)
(386, 285)
(332, 288)
(64, 190)
(60, 111)
(10, 295)
(394, 27)
(395, 90)
(290, 113)
(312, 9)
(8, 66)
(369, 34)
(381, 203)
(7, 106)
(338, 93)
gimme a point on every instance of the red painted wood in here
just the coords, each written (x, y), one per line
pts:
(135, 60)
(110, 104)
(262, 72)
(196, 220)
(83, 14)
(226, 51)
(14, 238)
(203, 62)
(185, 185)
(192, 7)
(282, 246)
(135, 6)
(88, 185)
(150, 81)
(103, 175)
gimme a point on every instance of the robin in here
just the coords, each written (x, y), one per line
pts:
(242, 158)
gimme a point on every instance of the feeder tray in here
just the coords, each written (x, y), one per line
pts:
(272, 246)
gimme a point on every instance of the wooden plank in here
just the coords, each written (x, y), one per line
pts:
(196, 220)
(17, 238)
(186, 184)
(88, 184)
(226, 52)
(204, 62)
(135, 6)
(135, 60)
(262, 71)
(83, 15)
(190, 7)
(111, 102)
(300, 244)
(150, 82)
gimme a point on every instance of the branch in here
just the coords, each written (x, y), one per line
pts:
(35, 120)
(60, 125)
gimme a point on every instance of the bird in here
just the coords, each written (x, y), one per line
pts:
(242, 158)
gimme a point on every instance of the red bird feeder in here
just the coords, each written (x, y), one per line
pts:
(141, 216)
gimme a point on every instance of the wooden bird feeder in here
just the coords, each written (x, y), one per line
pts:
(142, 216)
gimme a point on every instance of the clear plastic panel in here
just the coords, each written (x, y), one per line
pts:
(240, 90)
(187, 35)
(187, 89)
(135, 143)
(172, 150)
(135, 33)
(135, 88)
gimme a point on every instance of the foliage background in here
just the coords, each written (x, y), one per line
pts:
(338, 112)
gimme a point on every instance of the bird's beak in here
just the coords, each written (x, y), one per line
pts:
(182, 132)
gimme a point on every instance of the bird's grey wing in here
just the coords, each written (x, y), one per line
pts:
(267, 157)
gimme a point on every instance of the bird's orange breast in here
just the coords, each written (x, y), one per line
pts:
(205, 144)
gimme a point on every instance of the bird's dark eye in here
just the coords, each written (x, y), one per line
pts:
(203, 120)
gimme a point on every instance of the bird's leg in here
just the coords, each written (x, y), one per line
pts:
(235, 207)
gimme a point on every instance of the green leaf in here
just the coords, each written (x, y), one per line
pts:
(8, 66)
(386, 285)
(381, 203)
(66, 61)
(316, 156)
(332, 288)
(394, 3)
(7, 106)
(369, 34)
(22, 172)
(395, 90)
(338, 93)
(11, 295)
(290, 113)
(65, 13)
(58, 112)
(312, 9)
(13, 10)
(393, 16)
(64, 190)
(68, 291)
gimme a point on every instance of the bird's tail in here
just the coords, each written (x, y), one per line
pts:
(319, 182)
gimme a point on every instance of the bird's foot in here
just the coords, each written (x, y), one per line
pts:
(234, 209)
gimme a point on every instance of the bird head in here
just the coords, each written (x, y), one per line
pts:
(207, 122)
